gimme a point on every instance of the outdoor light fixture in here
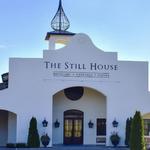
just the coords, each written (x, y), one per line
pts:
(45, 123)
(56, 124)
(115, 123)
(90, 124)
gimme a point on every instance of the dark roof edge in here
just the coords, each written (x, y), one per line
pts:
(58, 33)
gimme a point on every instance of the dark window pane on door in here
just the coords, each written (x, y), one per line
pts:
(101, 126)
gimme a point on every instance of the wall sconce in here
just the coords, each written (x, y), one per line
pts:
(115, 123)
(45, 123)
(91, 124)
(56, 124)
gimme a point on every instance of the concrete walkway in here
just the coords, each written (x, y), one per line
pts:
(62, 147)
(85, 148)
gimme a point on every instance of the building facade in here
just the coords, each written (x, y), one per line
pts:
(79, 89)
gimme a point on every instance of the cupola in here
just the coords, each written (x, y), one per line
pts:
(60, 24)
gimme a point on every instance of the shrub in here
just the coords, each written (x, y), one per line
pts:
(128, 130)
(33, 135)
(21, 145)
(11, 145)
(137, 133)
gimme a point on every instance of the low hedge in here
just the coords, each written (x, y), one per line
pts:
(21, 145)
(11, 145)
(16, 145)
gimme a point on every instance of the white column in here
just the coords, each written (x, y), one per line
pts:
(46, 113)
(12, 123)
(22, 129)
(50, 120)
(51, 44)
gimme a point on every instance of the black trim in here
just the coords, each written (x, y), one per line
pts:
(58, 33)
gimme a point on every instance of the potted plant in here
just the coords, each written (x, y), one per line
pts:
(45, 139)
(115, 139)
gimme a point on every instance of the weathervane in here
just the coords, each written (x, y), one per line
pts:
(60, 21)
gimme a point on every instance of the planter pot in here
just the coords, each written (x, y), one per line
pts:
(115, 139)
(45, 139)
(115, 143)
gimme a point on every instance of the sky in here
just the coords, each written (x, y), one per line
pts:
(121, 26)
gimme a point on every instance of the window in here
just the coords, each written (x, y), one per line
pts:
(146, 126)
(101, 126)
(74, 93)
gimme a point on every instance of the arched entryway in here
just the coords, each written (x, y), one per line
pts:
(73, 127)
(85, 105)
(7, 127)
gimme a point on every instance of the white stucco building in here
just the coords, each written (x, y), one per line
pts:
(75, 85)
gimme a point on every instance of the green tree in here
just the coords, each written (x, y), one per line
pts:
(33, 135)
(137, 133)
(128, 130)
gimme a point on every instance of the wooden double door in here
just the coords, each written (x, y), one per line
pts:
(73, 127)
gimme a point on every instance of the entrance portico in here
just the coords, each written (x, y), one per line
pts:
(75, 112)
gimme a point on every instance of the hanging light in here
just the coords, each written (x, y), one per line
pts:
(91, 124)
(56, 124)
(115, 123)
(45, 123)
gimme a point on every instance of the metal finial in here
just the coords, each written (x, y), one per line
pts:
(60, 21)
